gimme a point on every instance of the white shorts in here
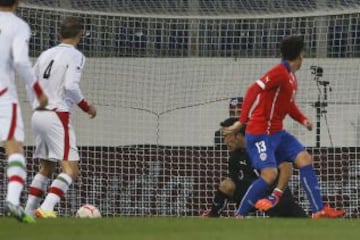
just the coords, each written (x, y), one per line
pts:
(54, 136)
(11, 122)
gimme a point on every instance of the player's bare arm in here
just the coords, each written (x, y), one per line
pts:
(285, 173)
(232, 129)
(298, 116)
(88, 108)
(308, 124)
(92, 111)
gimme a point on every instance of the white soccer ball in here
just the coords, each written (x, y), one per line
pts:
(88, 211)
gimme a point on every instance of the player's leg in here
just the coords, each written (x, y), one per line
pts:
(270, 201)
(16, 171)
(39, 185)
(310, 184)
(61, 143)
(12, 135)
(41, 125)
(223, 193)
(261, 151)
(241, 188)
(256, 190)
(60, 185)
(291, 149)
(309, 181)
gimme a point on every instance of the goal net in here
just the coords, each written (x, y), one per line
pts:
(162, 72)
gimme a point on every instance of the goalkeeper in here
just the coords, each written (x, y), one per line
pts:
(241, 175)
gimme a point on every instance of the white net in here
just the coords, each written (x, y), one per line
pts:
(162, 85)
(202, 7)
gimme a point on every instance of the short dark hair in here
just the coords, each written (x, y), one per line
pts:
(7, 3)
(291, 47)
(71, 27)
(230, 121)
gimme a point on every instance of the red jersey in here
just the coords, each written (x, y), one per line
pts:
(269, 100)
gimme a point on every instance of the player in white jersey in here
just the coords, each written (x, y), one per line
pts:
(59, 70)
(14, 50)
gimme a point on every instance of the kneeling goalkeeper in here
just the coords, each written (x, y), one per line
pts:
(241, 175)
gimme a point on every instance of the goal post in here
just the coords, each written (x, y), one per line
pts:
(161, 74)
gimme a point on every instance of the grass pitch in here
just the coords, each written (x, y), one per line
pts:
(182, 228)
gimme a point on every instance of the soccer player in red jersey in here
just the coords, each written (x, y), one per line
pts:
(266, 104)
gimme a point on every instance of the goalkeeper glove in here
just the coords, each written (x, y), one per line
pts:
(270, 201)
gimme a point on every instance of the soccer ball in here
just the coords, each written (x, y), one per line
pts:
(88, 211)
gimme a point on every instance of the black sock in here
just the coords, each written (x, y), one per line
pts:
(219, 203)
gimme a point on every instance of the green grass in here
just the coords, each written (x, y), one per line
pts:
(161, 228)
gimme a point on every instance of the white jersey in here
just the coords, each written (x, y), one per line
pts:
(14, 55)
(59, 71)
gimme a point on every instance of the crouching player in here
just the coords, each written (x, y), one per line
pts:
(241, 175)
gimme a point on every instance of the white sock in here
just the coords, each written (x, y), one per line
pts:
(36, 192)
(16, 174)
(57, 190)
